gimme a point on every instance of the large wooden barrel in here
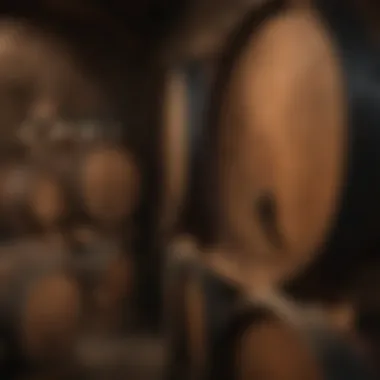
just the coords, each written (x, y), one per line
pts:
(216, 332)
(269, 159)
(286, 165)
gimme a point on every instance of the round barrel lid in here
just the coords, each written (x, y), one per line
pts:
(281, 147)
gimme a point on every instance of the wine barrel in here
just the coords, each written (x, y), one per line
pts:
(40, 308)
(100, 183)
(30, 200)
(58, 79)
(270, 159)
(286, 158)
(216, 332)
(110, 184)
(52, 300)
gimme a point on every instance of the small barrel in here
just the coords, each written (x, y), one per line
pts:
(110, 184)
(101, 183)
(40, 307)
(215, 333)
(30, 199)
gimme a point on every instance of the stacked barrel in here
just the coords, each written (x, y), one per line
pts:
(64, 262)
(73, 148)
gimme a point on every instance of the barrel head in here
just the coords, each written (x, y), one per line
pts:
(281, 146)
(110, 185)
(51, 318)
(47, 201)
(31, 199)
(40, 306)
